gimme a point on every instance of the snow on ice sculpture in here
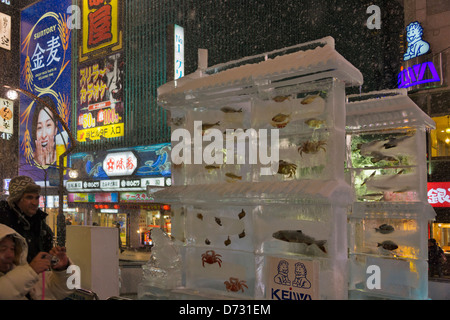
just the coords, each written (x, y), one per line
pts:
(386, 164)
(250, 219)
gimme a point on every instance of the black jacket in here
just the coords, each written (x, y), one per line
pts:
(36, 232)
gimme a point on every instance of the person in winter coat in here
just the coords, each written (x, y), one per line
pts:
(21, 212)
(20, 280)
(435, 254)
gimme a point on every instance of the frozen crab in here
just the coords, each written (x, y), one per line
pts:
(287, 168)
(312, 147)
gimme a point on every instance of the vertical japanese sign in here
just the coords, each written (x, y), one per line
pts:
(5, 31)
(44, 71)
(6, 119)
(100, 99)
(102, 28)
(179, 51)
(290, 279)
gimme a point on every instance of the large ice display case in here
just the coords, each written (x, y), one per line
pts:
(259, 197)
(388, 221)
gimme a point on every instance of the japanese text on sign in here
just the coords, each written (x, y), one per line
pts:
(439, 194)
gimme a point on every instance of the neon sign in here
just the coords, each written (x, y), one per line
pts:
(416, 46)
(120, 163)
(439, 194)
(416, 75)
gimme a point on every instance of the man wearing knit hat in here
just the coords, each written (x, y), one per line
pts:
(21, 212)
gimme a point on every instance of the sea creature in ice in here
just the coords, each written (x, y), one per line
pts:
(228, 241)
(398, 182)
(394, 142)
(287, 168)
(388, 245)
(281, 98)
(281, 120)
(368, 178)
(230, 110)
(242, 234)
(312, 147)
(378, 156)
(206, 126)
(385, 229)
(232, 176)
(315, 123)
(212, 167)
(200, 216)
(218, 221)
(211, 257)
(241, 214)
(298, 236)
(309, 99)
(207, 242)
(234, 285)
(177, 121)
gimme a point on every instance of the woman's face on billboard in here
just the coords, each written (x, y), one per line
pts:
(46, 129)
(45, 138)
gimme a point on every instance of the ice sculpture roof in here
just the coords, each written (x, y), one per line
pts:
(303, 191)
(320, 62)
(388, 109)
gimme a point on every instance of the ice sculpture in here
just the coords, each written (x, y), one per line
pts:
(248, 227)
(386, 162)
(161, 273)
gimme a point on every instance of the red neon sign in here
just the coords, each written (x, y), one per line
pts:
(439, 194)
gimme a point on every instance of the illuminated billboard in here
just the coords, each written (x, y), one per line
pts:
(100, 99)
(45, 71)
(102, 28)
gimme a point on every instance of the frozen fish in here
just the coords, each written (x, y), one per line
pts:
(298, 236)
(388, 245)
(385, 229)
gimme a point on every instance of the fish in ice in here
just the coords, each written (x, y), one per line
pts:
(385, 229)
(218, 221)
(228, 109)
(232, 176)
(309, 99)
(388, 245)
(241, 214)
(281, 98)
(227, 242)
(315, 123)
(393, 142)
(298, 236)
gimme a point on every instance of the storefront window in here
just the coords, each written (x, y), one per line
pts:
(440, 137)
(112, 219)
(441, 232)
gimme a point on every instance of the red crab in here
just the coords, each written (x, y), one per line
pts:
(211, 257)
(235, 285)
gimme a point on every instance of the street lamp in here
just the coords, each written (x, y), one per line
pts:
(61, 223)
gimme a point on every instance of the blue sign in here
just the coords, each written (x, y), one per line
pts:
(417, 74)
(152, 161)
(416, 46)
(45, 71)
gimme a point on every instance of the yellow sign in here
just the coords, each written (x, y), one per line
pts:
(110, 131)
(103, 30)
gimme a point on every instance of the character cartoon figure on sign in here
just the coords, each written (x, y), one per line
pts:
(282, 275)
(300, 280)
(416, 46)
